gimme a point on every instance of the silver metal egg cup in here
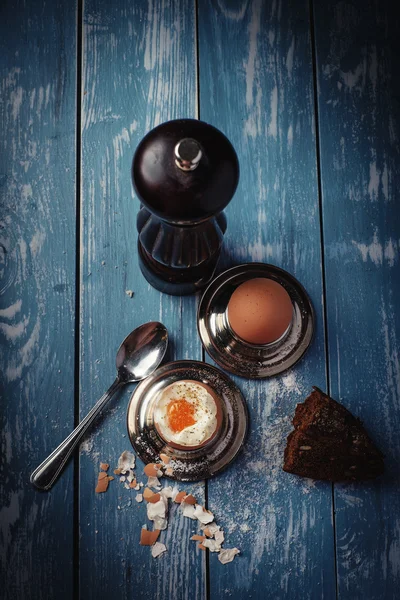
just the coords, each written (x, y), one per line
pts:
(212, 457)
(234, 354)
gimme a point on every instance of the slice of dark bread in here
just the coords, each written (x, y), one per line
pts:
(329, 443)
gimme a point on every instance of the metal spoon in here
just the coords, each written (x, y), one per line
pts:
(138, 356)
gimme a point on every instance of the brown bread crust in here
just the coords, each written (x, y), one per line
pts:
(329, 443)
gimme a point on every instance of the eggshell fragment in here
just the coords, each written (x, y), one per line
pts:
(219, 537)
(148, 538)
(165, 458)
(169, 471)
(168, 492)
(133, 484)
(104, 466)
(160, 523)
(126, 461)
(227, 555)
(139, 497)
(153, 470)
(102, 483)
(203, 515)
(157, 512)
(198, 538)
(179, 497)
(150, 496)
(202, 547)
(154, 498)
(189, 499)
(153, 482)
(158, 549)
(188, 511)
(210, 529)
(212, 545)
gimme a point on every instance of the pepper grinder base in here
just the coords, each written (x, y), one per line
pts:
(177, 284)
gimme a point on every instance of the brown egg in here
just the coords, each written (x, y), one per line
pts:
(260, 311)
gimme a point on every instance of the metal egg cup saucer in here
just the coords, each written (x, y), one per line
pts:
(234, 354)
(207, 460)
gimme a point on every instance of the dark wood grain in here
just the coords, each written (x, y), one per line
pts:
(357, 54)
(139, 70)
(37, 291)
(260, 93)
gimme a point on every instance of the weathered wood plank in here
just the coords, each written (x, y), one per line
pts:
(37, 291)
(256, 85)
(139, 70)
(357, 50)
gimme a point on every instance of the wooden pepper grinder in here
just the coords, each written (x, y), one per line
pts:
(184, 173)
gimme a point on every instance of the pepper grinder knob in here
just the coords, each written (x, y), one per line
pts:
(187, 154)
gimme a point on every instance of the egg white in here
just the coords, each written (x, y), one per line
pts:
(205, 413)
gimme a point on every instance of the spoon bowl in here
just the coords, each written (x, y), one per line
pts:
(141, 352)
(138, 356)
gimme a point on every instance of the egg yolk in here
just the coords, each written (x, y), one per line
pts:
(180, 414)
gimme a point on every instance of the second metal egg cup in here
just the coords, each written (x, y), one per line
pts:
(234, 354)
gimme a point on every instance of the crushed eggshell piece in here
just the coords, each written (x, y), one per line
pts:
(168, 491)
(117, 471)
(154, 498)
(102, 483)
(227, 555)
(160, 523)
(202, 547)
(133, 483)
(198, 538)
(110, 478)
(188, 511)
(148, 493)
(139, 497)
(154, 483)
(158, 549)
(153, 470)
(169, 471)
(148, 538)
(104, 466)
(219, 537)
(189, 499)
(203, 515)
(165, 458)
(210, 529)
(126, 461)
(179, 497)
(157, 509)
(212, 545)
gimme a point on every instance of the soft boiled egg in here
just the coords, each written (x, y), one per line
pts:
(187, 414)
(260, 311)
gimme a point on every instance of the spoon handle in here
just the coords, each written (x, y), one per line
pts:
(47, 473)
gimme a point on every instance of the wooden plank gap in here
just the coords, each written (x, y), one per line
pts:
(78, 259)
(197, 58)
(323, 272)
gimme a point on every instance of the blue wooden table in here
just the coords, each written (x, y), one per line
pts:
(309, 95)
